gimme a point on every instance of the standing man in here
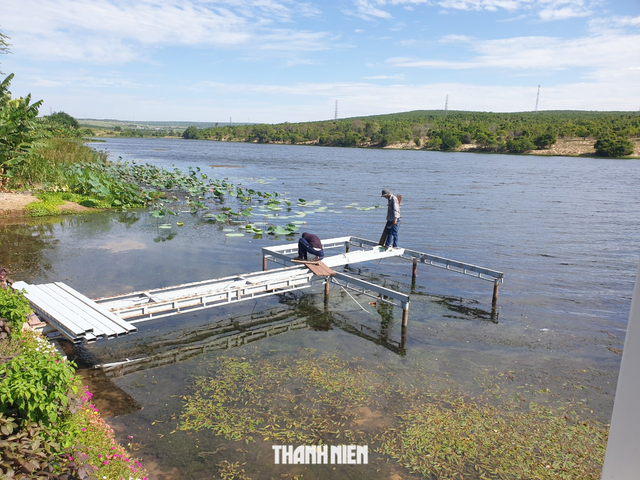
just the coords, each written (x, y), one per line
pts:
(393, 219)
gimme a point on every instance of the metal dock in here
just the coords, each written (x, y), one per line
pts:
(80, 319)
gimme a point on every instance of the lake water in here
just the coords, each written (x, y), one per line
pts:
(563, 230)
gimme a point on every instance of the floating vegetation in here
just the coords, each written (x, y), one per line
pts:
(460, 437)
(173, 192)
(306, 402)
(439, 433)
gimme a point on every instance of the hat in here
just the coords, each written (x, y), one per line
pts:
(385, 192)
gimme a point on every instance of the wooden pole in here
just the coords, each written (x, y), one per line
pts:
(264, 264)
(403, 337)
(496, 284)
(326, 296)
(414, 273)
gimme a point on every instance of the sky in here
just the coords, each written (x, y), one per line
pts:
(273, 61)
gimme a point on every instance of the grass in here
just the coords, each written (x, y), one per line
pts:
(47, 165)
(440, 433)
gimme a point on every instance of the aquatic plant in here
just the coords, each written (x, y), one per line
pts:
(440, 432)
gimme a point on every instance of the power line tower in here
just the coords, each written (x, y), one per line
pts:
(537, 99)
(336, 114)
(446, 104)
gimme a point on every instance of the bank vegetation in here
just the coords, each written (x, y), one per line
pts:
(610, 134)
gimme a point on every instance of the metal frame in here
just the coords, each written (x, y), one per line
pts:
(79, 318)
(162, 302)
(282, 254)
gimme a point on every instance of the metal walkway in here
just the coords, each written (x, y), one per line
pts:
(81, 319)
(71, 313)
(163, 302)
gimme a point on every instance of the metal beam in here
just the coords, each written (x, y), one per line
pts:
(440, 262)
(150, 304)
(363, 287)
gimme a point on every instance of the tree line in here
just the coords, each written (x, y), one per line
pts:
(447, 131)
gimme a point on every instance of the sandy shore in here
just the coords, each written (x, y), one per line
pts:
(12, 204)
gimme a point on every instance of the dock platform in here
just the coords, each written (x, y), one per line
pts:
(80, 319)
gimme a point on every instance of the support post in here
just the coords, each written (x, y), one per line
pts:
(414, 273)
(496, 285)
(405, 315)
(264, 263)
(326, 290)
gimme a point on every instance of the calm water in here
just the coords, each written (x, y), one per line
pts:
(563, 230)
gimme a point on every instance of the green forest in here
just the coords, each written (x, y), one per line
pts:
(611, 132)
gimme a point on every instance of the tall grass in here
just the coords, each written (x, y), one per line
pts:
(46, 165)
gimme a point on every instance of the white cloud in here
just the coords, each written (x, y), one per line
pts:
(456, 39)
(542, 53)
(564, 13)
(385, 77)
(548, 10)
(614, 24)
(367, 10)
(117, 31)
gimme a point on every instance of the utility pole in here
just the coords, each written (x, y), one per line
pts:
(537, 99)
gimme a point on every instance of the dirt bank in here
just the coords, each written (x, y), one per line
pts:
(12, 204)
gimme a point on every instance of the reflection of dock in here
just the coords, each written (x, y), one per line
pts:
(223, 336)
(81, 319)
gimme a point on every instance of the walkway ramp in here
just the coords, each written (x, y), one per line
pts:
(77, 317)
(163, 302)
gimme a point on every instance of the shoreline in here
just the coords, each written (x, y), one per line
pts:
(13, 205)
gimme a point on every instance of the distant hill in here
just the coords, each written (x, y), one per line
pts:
(150, 125)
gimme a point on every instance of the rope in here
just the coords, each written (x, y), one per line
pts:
(347, 292)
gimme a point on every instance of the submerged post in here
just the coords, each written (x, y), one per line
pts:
(496, 284)
(414, 273)
(264, 263)
(405, 315)
(326, 295)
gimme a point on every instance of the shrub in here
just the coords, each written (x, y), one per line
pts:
(520, 145)
(38, 385)
(545, 140)
(14, 307)
(613, 147)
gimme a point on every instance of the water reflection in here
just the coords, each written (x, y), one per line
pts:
(303, 313)
(25, 247)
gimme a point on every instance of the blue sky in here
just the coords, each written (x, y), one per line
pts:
(287, 60)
